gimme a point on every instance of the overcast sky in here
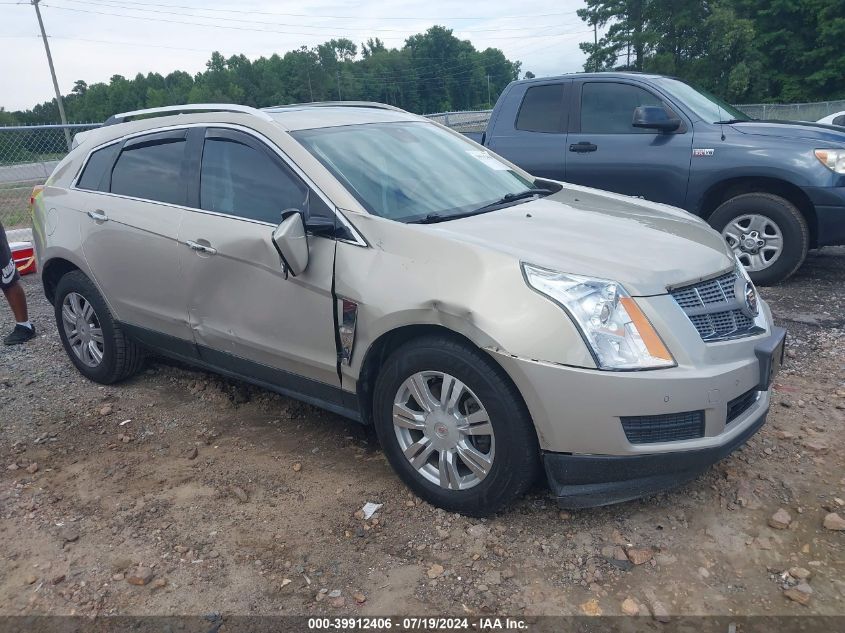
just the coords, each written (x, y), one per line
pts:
(94, 39)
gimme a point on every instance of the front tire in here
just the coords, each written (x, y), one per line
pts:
(97, 346)
(766, 232)
(454, 427)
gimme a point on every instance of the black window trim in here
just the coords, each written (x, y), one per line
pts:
(565, 115)
(575, 102)
(356, 238)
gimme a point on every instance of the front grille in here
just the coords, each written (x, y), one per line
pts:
(714, 309)
(721, 324)
(673, 427)
(741, 404)
(719, 290)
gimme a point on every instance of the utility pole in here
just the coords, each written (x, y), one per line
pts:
(339, 98)
(53, 73)
(488, 92)
(310, 90)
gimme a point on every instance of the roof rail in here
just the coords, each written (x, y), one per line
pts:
(187, 108)
(336, 104)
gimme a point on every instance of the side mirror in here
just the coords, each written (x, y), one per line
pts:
(655, 118)
(291, 243)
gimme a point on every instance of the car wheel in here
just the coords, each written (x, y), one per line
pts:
(768, 234)
(454, 427)
(93, 341)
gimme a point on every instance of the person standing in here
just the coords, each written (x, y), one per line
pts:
(12, 288)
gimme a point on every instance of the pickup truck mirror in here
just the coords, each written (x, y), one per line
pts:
(291, 242)
(655, 118)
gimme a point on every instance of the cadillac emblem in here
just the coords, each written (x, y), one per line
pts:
(750, 308)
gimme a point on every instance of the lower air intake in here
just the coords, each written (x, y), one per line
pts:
(673, 427)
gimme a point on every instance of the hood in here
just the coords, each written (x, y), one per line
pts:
(794, 130)
(645, 246)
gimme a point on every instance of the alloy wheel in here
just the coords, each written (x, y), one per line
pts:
(82, 329)
(756, 240)
(444, 430)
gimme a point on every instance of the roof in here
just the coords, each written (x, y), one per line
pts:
(290, 117)
(317, 115)
(599, 75)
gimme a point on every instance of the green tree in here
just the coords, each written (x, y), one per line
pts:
(432, 71)
(743, 50)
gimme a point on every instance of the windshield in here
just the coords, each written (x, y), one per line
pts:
(408, 171)
(705, 105)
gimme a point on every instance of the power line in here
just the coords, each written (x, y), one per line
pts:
(130, 6)
(254, 30)
(350, 17)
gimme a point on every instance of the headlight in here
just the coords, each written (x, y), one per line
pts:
(620, 335)
(833, 159)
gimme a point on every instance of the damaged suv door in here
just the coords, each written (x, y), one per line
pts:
(245, 315)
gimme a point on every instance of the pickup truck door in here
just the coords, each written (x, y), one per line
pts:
(605, 151)
(530, 129)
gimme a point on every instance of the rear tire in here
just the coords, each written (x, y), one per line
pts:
(486, 469)
(93, 341)
(775, 224)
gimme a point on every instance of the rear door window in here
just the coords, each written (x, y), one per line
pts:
(151, 167)
(239, 177)
(542, 109)
(608, 108)
(95, 175)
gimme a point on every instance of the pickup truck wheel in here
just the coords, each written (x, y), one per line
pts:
(454, 427)
(768, 234)
(93, 341)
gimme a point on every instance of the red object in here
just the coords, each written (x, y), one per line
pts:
(24, 256)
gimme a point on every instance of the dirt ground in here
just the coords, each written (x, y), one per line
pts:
(239, 501)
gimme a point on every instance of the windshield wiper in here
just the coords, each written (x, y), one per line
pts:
(434, 217)
(512, 197)
(731, 121)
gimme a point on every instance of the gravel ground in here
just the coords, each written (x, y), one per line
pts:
(178, 492)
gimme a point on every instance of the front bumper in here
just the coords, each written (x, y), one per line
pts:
(586, 481)
(578, 414)
(829, 204)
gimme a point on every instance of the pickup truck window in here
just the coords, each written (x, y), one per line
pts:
(407, 171)
(541, 109)
(608, 108)
(711, 109)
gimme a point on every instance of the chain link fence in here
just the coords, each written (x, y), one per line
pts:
(28, 155)
(793, 111)
(465, 121)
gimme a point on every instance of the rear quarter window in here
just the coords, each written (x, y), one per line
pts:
(95, 174)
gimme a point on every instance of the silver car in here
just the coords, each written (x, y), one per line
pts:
(492, 326)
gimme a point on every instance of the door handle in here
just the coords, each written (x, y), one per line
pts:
(583, 147)
(201, 248)
(98, 216)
